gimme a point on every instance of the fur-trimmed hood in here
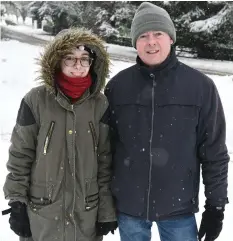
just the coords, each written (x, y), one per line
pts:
(62, 45)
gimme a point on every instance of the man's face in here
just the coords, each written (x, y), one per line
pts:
(76, 64)
(153, 47)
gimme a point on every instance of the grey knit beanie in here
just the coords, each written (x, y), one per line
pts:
(149, 17)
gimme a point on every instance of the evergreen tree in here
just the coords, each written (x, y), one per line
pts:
(112, 20)
(209, 35)
(33, 10)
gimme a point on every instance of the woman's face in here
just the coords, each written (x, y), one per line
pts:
(76, 64)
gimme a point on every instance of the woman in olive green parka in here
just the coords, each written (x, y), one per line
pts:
(59, 160)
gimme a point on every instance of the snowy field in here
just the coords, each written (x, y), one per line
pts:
(17, 74)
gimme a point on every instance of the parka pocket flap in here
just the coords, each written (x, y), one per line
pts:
(52, 211)
(92, 198)
(38, 193)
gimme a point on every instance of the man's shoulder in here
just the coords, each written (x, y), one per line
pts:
(123, 74)
(193, 75)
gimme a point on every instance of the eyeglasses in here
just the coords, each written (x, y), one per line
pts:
(72, 61)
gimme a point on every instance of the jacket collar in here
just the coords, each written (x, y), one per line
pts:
(164, 67)
(65, 102)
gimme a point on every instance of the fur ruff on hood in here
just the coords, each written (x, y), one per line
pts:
(62, 45)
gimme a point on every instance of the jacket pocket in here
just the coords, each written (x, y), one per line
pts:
(48, 137)
(92, 195)
(179, 110)
(195, 186)
(91, 201)
(40, 195)
(46, 222)
(94, 136)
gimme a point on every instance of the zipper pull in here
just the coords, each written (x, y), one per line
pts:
(46, 145)
(153, 78)
(87, 207)
(48, 137)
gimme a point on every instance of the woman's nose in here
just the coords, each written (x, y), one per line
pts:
(78, 64)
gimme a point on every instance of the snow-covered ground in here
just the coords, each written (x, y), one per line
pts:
(17, 74)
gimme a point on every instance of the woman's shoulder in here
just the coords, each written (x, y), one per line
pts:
(36, 90)
(101, 99)
(101, 102)
(36, 93)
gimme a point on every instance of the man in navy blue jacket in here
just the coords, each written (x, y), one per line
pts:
(167, 123)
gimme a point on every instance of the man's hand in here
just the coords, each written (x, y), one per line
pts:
(211, 223)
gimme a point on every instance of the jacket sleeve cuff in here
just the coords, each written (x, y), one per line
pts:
(217, 203)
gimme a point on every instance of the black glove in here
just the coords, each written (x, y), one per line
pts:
(105, 228)
(19, 221)
(211, 223)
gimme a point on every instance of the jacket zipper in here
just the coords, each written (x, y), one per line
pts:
(193, 186)
(94, 136)
(95, 145)
(64, 205)
(151, 138)
(48, 137)
(74, 190)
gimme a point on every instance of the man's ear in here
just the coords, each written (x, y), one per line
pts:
(171, 41)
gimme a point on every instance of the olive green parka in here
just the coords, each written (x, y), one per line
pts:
(60, 160)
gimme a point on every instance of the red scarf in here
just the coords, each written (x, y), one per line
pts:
(73, 87)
